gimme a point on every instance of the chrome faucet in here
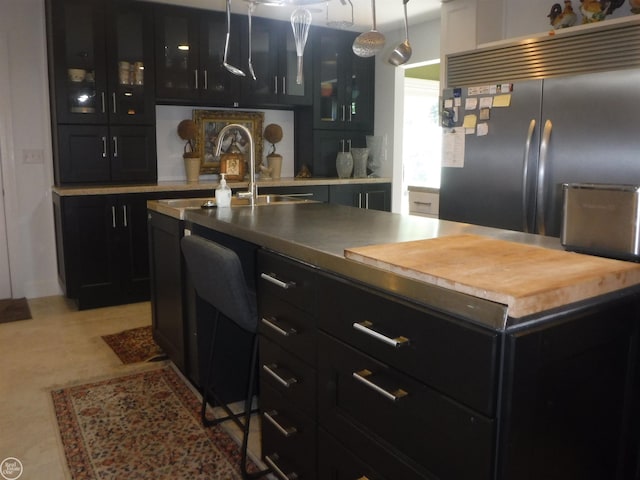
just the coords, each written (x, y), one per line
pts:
(252, 194)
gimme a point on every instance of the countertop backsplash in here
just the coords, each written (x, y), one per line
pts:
(170, 147)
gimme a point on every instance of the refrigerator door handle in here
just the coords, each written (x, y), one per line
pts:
(544, 149)
(525, 175)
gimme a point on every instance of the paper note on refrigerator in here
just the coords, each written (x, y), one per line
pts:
(453, 148)
(502, 100)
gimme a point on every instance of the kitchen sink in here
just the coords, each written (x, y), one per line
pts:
(176, 207)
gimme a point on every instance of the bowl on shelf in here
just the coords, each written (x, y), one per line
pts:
(77, 74)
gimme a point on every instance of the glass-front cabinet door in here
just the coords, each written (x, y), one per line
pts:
(344, 88)
(189, 55)
(92, 87)
(131, 96)
(275, 63)
(176, 53)
(77, 35)
(215, 81)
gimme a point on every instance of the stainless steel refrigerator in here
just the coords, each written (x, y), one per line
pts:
(579, 128)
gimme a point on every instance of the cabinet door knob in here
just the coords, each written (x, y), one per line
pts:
(104, 147)
(271, 461)
(115, 147)
(282, 329)
(286, 431)
(284, 85)
(275, 84)
(366, 328)
(113, 216)
(195, 79)
(394, 396)
(271, 278)
(272, 368)
(206, 79)
(125, 222)
(115, 105)
(103, 102)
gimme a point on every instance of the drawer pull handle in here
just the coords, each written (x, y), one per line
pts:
(271, 277)
(428, 204)
(283, 330)
(365, 327)
(286, 431)
(271, 461)
(285, 382)
(393, 396)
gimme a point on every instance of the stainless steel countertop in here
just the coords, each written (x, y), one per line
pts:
(318, 234)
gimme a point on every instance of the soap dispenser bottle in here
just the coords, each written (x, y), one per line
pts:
(223, 193)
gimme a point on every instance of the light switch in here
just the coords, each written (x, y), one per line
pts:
(32, 156)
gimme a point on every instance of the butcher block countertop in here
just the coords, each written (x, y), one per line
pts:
(528, 279)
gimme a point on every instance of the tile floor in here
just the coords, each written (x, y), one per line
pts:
(59, 346)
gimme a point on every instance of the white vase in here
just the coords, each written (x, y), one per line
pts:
(360, 157)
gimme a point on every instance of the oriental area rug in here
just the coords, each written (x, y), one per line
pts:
(135, 345)
(143, 426)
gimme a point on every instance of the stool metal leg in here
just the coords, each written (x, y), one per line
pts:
(247, 418)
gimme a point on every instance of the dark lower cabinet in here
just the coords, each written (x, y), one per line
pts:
(373, 196)
(396, 390)
(167, 287)
(102, 248)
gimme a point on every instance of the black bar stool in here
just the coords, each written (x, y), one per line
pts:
(207, 261)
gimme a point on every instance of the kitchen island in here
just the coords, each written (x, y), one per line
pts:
(396, 376)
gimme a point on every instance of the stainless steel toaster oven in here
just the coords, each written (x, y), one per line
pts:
(602, 219)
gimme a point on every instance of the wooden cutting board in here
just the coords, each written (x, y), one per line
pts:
(528, 279)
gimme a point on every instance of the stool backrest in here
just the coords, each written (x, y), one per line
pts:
(217, 276)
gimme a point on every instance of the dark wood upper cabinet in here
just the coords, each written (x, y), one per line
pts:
(344, 83)
(190, 51)
(101, 62)
(275, 63)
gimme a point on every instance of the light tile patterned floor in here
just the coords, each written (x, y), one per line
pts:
(59, 346)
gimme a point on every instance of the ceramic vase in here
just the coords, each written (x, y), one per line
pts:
(344, 164)
(275, 165)
(192, 169)
(360, 157)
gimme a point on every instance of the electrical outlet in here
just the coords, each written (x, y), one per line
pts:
(32, 156)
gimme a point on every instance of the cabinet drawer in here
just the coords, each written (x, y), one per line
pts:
(286, 279)
(373, 462)
(288, 433)
(290, 327)
(458, 360)
(288, 375)
(424, 203)
(444, 437)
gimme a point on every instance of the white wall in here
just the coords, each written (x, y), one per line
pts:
(27, 185)
(170, 146)
(389, 111)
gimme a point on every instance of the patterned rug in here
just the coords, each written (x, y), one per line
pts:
(141, 426)
(135, 345)
(12, 310)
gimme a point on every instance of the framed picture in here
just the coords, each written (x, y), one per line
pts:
(209, 124)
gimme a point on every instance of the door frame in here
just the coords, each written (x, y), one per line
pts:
(9, 243)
